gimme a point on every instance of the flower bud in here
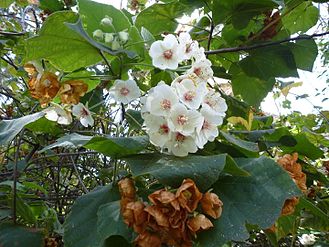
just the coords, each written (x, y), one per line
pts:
(107, 21)
(98, 34)
(115, 45)
(123, 36)
(108, 37)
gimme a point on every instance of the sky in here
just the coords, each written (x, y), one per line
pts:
(311, 81)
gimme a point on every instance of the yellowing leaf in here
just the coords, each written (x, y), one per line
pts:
(286, 89)
(244, 122)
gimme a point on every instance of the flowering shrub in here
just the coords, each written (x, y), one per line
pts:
(143, 125)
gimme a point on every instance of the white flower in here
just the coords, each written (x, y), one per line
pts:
(161, 100)
(84, 115)
(125, 91)
(109, 37)
(181, 145)
(202, 69)
(307, 239)
(158, 129)
(208, 130)
(183, 120)
(166, 53)
(58, 114)
(187, 45)
(191, 94)
(216, 103)
(98, 34)
(198, 53)
(123, 36)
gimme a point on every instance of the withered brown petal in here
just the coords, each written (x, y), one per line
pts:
(148, 239)
(156, 212)
(127, 188)
(211, 205)
(188, 195)
(199, 223)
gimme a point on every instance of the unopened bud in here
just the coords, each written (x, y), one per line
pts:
(123, 36)
(108, 37)
(115, 45)
(107, 21)
(98, 34)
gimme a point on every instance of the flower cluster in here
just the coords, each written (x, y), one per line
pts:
(45, 86)
(184, 116)
(115, 39)
(170, 218)
(294, 169)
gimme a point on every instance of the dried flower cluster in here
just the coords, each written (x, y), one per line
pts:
(184, 116)
(294, 169)
(170, 218)
(45, 86)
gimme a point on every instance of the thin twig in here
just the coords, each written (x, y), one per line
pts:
(107, 62)
(78, 176)
(256, 46)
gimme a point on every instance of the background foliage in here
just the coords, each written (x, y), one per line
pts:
(58, 183)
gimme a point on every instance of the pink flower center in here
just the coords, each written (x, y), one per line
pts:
(165, 104)
(182, 119)
(197, 71)
(84, 113)
(206, 125)
(188, 48)
(124, 91)
(168, 54)
(189, 96)
(180, 137)
(164, 129)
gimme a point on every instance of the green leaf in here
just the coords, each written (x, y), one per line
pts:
(19, 236)
(44, 126)
(250, 146)
(134, 118)
(10, 128)
(118, 146)
(25, 211)
(80, 227)
(264, 63)
(159, 18)
(63, 47)
(92, 13)
(256, 200)
(239, 12)
(51, 6)
(316, 211)
(170, 170)
(304, 147)
(5, 3)
(301, 18)
(86, 76)
(305, 53)
(110, 222)
(73, 140)
(253, 90)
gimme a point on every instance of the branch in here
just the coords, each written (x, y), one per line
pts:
(12, 33)
(256, 46)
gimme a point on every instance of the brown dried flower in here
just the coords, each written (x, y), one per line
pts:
(127, 188)
(289, 206)
(148, 239)
(289, 163)
(163, 197)
(42, 85)
(199, 223)
(211, 205)
(71, 91)
(188, 195)
(135, 216)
